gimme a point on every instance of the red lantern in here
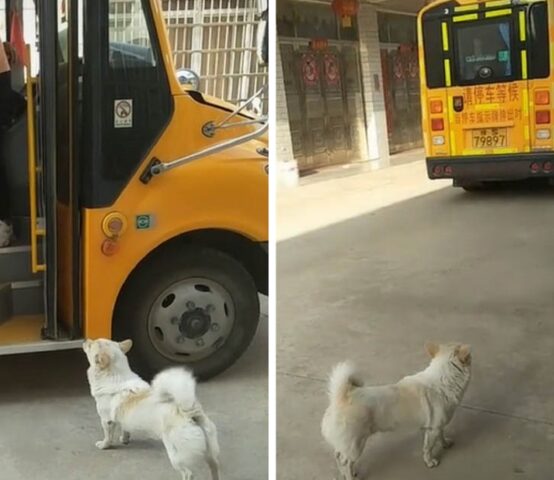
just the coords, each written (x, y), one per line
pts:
(345, 9)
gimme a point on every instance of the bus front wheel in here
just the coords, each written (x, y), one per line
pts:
(193, 306)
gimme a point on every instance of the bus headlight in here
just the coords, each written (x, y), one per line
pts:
(543, 134)
(438, 140)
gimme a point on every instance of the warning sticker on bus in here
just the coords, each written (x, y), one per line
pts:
(123, 113)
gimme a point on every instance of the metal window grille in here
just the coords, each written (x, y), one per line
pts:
(217, 39)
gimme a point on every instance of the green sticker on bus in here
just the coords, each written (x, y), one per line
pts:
(503, 55)
(143, 222)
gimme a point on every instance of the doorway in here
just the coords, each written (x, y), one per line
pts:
(325, 104)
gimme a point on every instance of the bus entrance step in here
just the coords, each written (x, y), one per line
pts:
(21, 298)
(15, 264)
(5, 302)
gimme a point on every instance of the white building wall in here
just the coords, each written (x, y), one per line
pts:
(372, 79)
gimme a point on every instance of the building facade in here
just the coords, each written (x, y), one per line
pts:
(215, 38)
(347, 90)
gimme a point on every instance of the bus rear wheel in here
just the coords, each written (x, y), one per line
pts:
(193, 306)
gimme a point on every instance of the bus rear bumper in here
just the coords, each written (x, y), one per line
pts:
(518, 166)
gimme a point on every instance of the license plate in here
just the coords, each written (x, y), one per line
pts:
(489, 137)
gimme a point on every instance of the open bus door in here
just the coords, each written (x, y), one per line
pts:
(40, 273)
(143, 212)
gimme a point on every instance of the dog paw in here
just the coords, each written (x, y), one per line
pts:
(103, 445)
(431, 462)
(447, 443)
(125, 438)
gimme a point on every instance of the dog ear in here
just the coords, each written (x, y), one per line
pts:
(126, 345)
(86, 345)
(432, 349)
(464, 354)
(102, 360)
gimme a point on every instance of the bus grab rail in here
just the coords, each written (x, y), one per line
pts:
(156, 167)
(32, 167)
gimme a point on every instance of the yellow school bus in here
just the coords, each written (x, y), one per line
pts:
(486, 86)
(140, 206)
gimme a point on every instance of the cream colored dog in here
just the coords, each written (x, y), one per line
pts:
(425, 400)
(166, 410)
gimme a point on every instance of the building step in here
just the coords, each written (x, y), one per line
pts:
(21, 298)
(15, 264)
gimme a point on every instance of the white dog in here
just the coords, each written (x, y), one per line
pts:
(166, 410)
(6, 232)
(425, 400)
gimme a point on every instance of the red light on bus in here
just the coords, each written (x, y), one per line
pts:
(535, 167)
(542, 117)
(437, 124)
(448, 171)
(438, 171)
(436, 106)
(547, 167)
(109, 247)
(542, 97)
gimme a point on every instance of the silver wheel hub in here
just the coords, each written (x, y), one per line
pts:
(191, 319)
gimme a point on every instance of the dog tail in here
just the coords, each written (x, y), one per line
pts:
(341, 382)
(176, 385)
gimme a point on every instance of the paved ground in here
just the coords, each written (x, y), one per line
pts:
(445, 265)
(341, 196)
(48, 422)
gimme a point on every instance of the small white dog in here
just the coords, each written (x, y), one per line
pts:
(6, 232)
(166, 410)
(425, 400)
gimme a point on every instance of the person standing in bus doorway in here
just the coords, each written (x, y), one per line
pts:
(11, 106)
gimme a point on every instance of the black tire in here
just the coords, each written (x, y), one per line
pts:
(164, 270)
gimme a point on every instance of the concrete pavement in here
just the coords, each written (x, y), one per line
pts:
(336, 196)
(375, 279)
(48, 421)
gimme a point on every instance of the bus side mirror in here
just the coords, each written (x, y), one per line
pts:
(189, 78)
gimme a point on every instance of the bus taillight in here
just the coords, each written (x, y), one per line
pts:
(542, 97)
(542, 117)
(436, 106)
(437, 124)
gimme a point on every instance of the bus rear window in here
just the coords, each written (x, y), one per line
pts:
(484, 52)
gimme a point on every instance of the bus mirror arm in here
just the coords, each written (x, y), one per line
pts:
(210, 128)
(156, 167)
